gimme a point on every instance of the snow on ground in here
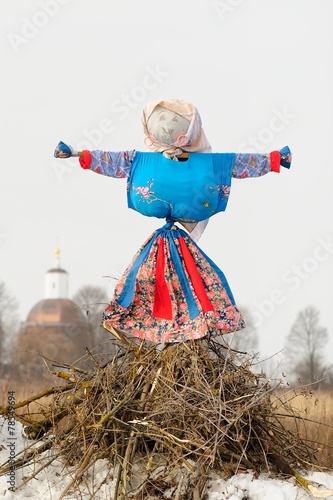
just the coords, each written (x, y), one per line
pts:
(51, 481)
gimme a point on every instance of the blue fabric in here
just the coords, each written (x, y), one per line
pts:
(126, 297)
(62, 150)
(187, 191)
(284, 152)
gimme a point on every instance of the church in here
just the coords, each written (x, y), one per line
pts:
(55, 331)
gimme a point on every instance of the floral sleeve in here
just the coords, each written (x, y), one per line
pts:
(255, 164)
(113, 164)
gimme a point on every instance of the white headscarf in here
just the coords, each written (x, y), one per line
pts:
(184, 134)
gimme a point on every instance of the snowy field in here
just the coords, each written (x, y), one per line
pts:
(100, 480)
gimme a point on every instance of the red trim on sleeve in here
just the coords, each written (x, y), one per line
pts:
(195, 278)
(85, 160)
(275, 159)
(162, 301)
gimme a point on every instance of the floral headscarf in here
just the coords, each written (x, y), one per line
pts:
(174, 136)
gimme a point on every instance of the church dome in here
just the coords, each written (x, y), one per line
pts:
(57, 270)
(50, 311)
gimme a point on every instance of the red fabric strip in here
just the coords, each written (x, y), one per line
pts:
(85, 160)
(195, 277)
(162, 301)
(275, 159)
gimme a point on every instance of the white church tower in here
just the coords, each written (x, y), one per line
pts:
(56, 280)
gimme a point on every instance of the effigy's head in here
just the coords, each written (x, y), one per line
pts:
(173, 126)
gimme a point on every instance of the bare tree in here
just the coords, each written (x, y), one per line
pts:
(92, 300)
(305, 347)
(9, 322)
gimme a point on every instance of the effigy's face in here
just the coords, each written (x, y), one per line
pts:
(167, 126)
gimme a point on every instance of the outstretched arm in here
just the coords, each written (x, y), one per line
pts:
(256, 164)
(110, 163)
(113, 164)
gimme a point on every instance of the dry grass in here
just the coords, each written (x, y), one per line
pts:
(25, 389)
(195, 402)
(312, 419)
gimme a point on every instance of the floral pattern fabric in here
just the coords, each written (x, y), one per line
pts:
(138, 319)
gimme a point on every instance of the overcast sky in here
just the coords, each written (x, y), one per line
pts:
(260, 73)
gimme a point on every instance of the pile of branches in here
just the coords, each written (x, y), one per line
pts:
(195, 404)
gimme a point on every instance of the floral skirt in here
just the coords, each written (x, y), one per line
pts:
(172, 292)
